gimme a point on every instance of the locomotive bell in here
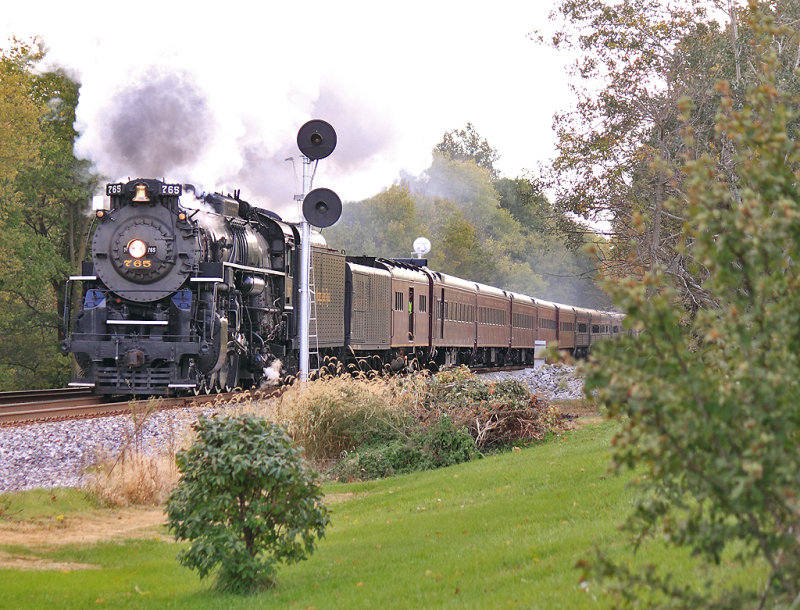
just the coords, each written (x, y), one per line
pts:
(141, 194)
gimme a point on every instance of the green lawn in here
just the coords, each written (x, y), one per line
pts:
(503, 531)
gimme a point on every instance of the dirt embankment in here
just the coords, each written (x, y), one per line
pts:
(41, 536)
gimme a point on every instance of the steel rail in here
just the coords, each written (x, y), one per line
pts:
(29, 410)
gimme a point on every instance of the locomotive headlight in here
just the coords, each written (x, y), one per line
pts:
(137, 248)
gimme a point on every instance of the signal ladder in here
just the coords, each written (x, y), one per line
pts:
(313, 335)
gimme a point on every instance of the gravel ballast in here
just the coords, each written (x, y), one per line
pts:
(550, 381)
(57, 454)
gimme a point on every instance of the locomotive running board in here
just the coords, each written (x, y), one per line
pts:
(81, 384)
(260, 270)
(137, 322)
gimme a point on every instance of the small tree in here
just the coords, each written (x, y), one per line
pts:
(709, 401)
(467, 145)
(246, 501)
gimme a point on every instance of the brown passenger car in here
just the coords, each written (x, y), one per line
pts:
(548, 325)
(583, 321)
(493, 321)
(454, 314)
(410, 293)
(566, 327)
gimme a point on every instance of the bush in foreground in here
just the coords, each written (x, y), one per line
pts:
(246, 501)
(435, 446)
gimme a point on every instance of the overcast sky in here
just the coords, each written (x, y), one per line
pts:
(214, 93)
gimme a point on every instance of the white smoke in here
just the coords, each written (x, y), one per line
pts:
(272, 373)
(209, 219)
(240, 79)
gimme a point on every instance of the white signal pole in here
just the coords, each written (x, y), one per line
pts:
(304, 314)
(316, 140)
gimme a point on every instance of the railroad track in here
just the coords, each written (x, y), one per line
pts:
(32, 406)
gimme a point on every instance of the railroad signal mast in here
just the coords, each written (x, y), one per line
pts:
(321, 208)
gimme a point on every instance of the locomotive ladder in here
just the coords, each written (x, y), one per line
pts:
(313, 336)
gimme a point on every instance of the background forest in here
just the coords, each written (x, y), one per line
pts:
(499, 231)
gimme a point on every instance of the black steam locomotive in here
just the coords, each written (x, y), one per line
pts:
(182, 292)
(198, 293)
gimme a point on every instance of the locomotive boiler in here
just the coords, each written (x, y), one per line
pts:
(183, 292)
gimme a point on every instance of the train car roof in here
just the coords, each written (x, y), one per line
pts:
(491, 290)
(363, 269)
(522, 298)
(455, 282)
(565, 306)
(405, 273)
(545, 304)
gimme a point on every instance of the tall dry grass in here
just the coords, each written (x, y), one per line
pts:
(331, 416)
(136, 480)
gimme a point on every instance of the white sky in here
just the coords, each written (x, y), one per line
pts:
(390, 77)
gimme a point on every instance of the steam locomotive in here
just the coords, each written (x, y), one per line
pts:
(197, 292)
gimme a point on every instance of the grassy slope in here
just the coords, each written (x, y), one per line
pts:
(504, 531)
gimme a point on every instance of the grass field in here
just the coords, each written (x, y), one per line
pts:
(505, 531)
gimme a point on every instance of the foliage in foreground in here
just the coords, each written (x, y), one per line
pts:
(709, 401)
(246, 501)
(351, 428)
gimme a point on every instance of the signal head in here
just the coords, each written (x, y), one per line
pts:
(316, 139)
(322, 207)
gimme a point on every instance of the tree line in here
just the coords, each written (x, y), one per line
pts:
(44, 203)
(498, 231)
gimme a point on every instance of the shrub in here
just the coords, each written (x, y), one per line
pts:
(435, 446)
(246, 501)
(708, 399)
(445, 444)
(376, 428)
(496, 414)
